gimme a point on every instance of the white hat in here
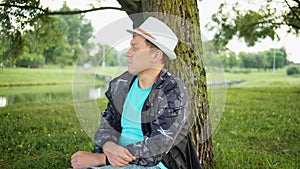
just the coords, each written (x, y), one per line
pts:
(159, 34)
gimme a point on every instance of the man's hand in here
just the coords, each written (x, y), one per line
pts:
(117, 155)
(83, 160)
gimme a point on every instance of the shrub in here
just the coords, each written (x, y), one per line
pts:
(31, 60)
(292, 70)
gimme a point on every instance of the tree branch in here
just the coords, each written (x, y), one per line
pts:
(81, 11)
(47, 12)
(22, 6)
(293, 25)
(132, 7)
(294, 13)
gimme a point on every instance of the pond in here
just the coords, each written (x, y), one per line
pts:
(45, 94)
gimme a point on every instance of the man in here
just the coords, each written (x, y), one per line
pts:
(145, 123)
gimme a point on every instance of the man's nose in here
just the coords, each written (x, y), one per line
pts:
(129, 53)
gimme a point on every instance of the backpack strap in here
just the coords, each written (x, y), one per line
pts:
(193, 159)
(182, 156)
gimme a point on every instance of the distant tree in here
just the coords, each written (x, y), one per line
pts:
(280, 58)
(43, 37)
(12, 28)
(30, 60)
(75, 32)
(107, 54)
(248, 61)
(8, 52)
(76, 28)
(224, 60)
(284, 54)
(65, 58)
(211, 54)
(229, 59)
(24, 26)
(263, 60)
(113, 58)
(260, 60)
(232, 60)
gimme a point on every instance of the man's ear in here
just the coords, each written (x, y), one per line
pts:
(158, 55)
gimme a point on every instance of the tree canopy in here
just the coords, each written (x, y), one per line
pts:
(252, 25)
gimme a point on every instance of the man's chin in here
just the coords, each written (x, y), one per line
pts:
(131, 72)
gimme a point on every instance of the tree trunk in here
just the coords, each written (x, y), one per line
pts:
(189, 65)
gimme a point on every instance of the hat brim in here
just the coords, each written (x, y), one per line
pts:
(171, 55)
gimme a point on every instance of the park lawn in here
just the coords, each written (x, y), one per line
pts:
(259, 129)
(34, 77)
(255, 78)
(54, 75)
(40, 135)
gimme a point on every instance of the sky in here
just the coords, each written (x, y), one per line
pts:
(100, 19)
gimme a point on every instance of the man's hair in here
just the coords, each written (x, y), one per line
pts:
(165, 59)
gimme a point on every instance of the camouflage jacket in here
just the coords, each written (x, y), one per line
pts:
(164, 117)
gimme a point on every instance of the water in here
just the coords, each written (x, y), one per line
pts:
(45, 94)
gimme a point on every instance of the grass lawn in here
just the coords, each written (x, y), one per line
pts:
(40, 136)
(52, 75)
(264, 78)
(259, 127)
(250, 134)
(34, 77)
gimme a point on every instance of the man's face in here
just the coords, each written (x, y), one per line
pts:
(140, 55)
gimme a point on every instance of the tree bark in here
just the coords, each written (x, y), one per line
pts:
(189, 65)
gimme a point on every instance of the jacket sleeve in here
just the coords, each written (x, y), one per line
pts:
(166, 130)
(107, 130)
(110, 127)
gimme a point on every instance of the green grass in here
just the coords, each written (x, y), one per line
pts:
(259, 127)
(33, 77)
(41, 135)
(53, 75)
(35, 89)
(250, 134)
(264, 78)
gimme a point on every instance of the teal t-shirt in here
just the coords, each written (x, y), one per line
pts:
(131, 116)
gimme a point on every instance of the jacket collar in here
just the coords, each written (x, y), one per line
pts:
(162, 75)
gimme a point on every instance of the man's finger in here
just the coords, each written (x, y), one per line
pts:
(125, 158)
(117, 161)
(125, 155)
(129, 154)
